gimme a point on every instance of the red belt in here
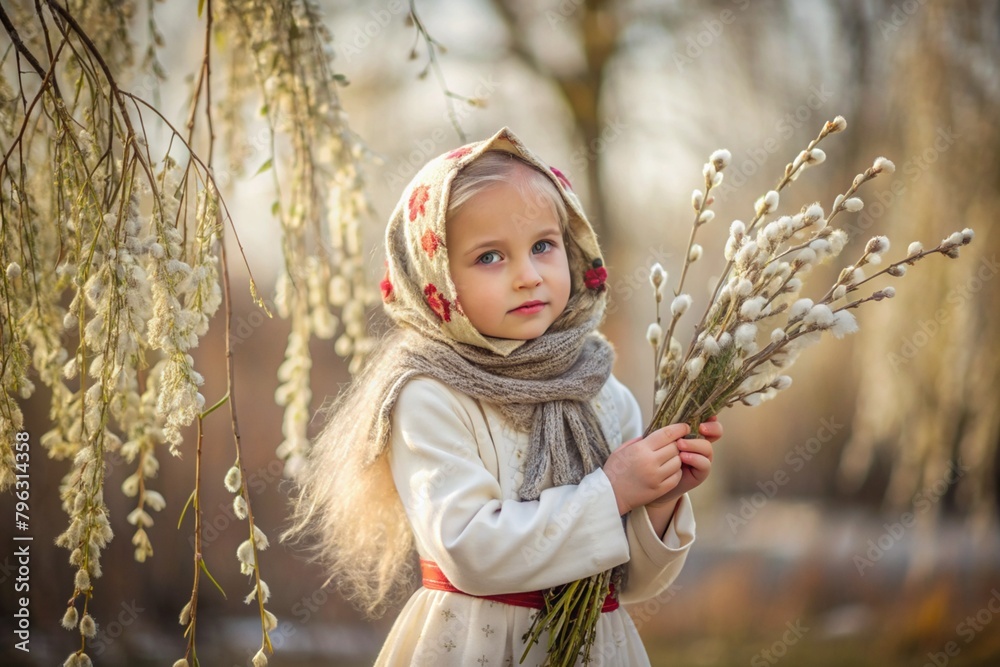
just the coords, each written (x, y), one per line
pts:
(434, 579)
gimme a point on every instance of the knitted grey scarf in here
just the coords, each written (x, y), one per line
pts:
(544, 387)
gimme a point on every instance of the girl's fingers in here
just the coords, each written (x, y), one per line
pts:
(698, 446)
(711, 429)
(696, 461)
(664, 454)
(671, 482)
(664, 458)
(666, 435)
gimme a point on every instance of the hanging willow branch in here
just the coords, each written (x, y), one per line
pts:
(112, 264)
(132, 251)
(319, 198)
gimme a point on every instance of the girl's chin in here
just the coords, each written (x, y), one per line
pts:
(520, 333)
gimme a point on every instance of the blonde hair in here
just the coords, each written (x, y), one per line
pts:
(347, 510)
(497, 166)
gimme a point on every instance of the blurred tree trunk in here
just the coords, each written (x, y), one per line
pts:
(599, 30)
(929, 371)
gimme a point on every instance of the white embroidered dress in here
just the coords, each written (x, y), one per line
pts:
(458, 467)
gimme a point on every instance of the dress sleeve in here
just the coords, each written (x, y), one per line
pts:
(653, 563)
(484, 544)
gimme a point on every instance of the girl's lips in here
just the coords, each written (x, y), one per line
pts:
(529, 308)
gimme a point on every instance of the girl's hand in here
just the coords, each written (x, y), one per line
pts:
(696, 458)
(645, 469)
(711, 429)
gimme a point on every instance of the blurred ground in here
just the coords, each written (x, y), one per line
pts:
(797, 582)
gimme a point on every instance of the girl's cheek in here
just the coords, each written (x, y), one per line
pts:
(556, 256)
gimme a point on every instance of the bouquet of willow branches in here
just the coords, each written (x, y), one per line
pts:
(756, 323)
(753, 328)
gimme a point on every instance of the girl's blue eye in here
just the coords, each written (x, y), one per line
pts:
(541, 246)
(490, 257)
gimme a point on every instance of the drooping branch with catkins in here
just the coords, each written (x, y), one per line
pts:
(113, 261)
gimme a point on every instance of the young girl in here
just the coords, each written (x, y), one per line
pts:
(488, 436)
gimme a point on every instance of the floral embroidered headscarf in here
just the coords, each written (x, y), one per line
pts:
(418, 289)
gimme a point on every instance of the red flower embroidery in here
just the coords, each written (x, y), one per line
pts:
(596, 277)
(458, 152)
(562, 178)
(386, 287)
(440, 305)
(417, 200)
(430, 242)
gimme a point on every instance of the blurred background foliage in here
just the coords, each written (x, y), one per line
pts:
(851, 521)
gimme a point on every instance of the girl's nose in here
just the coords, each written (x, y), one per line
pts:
(527, 275)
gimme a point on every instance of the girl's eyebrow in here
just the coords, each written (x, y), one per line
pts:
(491, 243)
(494, 243)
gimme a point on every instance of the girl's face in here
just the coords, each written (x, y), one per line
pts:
(507, 258)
